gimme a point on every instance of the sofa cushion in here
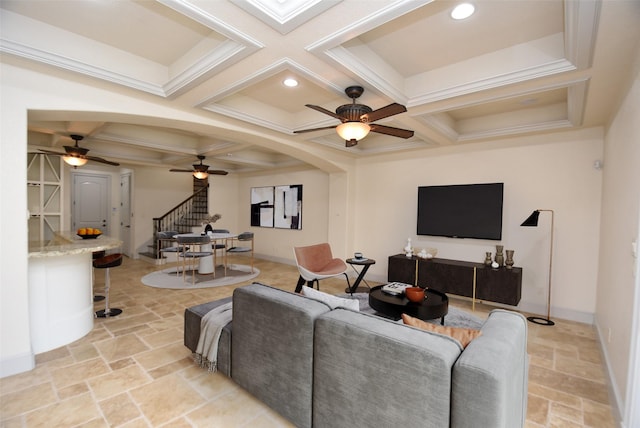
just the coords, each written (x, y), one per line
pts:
(192, 319)
(373, 372)
(333, 301)
(462, 335)
(491, 376)
(272, 345)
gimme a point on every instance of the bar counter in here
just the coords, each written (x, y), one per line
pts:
(61, 288)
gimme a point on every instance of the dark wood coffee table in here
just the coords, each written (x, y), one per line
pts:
(435, 305)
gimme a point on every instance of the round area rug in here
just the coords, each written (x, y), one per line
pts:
(172, 277)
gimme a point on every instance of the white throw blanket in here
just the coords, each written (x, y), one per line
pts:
(211, 326)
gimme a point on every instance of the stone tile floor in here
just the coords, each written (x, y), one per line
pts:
(133, 370)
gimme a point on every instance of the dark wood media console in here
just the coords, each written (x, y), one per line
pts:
(500, 285)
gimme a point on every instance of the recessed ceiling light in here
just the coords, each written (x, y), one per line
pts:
(463, 11)
(290, 82)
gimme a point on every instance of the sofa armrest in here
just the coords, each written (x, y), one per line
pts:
(490, 377)
(192, 319)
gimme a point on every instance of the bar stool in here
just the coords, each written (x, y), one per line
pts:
(97, 255)
(107, 262)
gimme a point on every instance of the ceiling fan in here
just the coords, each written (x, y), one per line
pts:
(200, 170)
(77, 156)
(357, 119)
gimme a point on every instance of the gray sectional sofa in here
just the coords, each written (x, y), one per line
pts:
(320, 367)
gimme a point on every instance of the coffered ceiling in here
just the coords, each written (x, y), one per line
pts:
(513, 68)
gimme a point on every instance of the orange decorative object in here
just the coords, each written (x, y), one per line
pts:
(414, 294)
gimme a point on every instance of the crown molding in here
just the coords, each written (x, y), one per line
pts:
(229, 53)
(516, 130)
(285, 16)
(581, 28)
(59, 61)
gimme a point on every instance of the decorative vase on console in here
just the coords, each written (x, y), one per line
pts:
(509, 262)
(487, 259)
(499, 256)
(408, 250)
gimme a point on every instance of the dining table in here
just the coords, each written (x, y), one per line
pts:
(207, 264)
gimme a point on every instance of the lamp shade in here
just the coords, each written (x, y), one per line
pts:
(201, 175)
(74, 160)
(532, 220)
(353, 130)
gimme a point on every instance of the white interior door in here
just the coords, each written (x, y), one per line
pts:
(90, 204)
(125, 213)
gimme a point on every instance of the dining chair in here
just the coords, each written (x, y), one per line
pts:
(187, 245)
(244, 238)
(219, 246)
(166, 244)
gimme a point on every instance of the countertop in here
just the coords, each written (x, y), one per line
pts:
(68, 243)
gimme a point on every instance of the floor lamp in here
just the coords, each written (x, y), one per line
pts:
(532, 220)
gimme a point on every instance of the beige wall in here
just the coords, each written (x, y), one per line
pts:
(277, 244)
(617, 287)
(536, 174)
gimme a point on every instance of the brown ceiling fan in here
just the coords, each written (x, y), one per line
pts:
(200, 170)
(77, 156)
(356, 119)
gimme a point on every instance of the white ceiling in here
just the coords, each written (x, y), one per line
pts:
(514, 68)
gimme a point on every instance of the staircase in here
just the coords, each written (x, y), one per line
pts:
(182, 218)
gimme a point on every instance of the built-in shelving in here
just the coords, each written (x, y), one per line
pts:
(44, 195)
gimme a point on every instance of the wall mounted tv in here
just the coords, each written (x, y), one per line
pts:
(461, 211)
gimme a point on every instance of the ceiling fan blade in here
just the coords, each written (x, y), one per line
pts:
(314, 129)
(217, 172)
(325, 111)
(49, 152)
(389, 130)
(181, 170)
(381, 113)
(97, 159)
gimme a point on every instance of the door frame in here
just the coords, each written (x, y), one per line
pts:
(127, 246)
(109, 198)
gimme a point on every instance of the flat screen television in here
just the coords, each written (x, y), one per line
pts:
(461, 211)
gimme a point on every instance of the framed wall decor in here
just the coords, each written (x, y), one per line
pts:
(277, 206)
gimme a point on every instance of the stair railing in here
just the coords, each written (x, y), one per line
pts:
(183, 217)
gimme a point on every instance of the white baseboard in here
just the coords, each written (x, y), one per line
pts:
(614, 392)
(17, 364)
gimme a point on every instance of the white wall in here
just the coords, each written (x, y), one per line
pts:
(544, 172)
(620, 213)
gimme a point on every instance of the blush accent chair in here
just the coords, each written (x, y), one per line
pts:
(316, 262)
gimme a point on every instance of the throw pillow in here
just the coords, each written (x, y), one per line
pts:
(332, 301)
(462, 335)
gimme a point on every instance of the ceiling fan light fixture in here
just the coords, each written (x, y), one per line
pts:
(200, 175)
(74, 160)
(462, 11)
(353, 130)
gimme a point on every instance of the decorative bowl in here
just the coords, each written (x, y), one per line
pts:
(414, 294)
(89, 236)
